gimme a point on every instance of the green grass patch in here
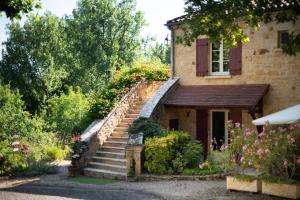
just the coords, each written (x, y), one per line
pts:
(246, 178)
(198, 171)
(91, 180)
(279, 180)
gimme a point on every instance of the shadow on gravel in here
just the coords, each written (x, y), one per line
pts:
(79, 193)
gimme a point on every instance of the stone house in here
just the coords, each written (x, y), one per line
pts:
(217, 84)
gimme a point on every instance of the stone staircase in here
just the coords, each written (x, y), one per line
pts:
(109, 160)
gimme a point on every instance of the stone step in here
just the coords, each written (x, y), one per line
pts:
(119, 128)
(109, 154)
(132, 116)
(124, 124)
(113, 161)
(119, 134)
(99, 173)
(112, 149)
(134, 111)
(128, 120)
(115, 144)
(105, 166)
(115, 138)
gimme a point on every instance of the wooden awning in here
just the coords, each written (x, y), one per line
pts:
(218, 96)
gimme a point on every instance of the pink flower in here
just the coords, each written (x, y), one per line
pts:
(250, 162)
(282, 130)
(256, 142)
(285, 163)
(242, 159)
(260, 152)
(237, 125)
(262, 134)
(290, 139)
(245, 147)
(248, 133)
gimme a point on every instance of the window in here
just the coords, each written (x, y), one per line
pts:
(173, 124)
(219, 59)
(282, 38)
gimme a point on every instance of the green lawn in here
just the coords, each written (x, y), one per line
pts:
(91, 180)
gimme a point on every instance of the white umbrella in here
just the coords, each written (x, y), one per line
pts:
(286, 116)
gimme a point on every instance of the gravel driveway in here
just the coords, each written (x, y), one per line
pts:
(57, 187)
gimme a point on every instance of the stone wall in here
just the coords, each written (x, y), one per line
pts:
(262, 63)
(154, 107)
(142, 91)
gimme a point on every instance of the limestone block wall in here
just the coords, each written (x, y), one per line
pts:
(262, 63)
(142, 91)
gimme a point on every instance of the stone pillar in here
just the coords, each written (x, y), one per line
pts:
(134, 152)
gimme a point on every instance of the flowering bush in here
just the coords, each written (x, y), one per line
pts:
(77, 149)
(275, 151)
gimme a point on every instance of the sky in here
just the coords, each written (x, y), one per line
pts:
(156, 13)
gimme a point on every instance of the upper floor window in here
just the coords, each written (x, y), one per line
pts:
(282, 38)
(219, 59)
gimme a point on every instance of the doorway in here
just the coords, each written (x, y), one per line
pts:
(219, 133)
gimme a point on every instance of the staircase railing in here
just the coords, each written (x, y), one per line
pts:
(111, 121)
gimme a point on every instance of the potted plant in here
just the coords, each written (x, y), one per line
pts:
(75, 156)
(274, 152)
(236, 160)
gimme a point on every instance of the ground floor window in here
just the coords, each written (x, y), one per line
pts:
(218, 127)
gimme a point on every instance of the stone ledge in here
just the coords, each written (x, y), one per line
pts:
(154, 101)
(152, 177)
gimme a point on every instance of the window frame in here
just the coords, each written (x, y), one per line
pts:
(280, 39)
(221, 72)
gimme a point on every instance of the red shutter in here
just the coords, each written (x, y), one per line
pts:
(235, 60)
(202, 128)
(235, 115)
(202, 57)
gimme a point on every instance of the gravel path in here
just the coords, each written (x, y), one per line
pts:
(57, 187)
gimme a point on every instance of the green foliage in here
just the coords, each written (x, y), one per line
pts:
(160, 152)
(9, 160)
(178, 163)
(67, 113)
(198, 171)
(14, 8)
(146, 126)
(275, 151)
(218, 159)
(112, 42)
(225, 19)
(193, 154)
(56, 153)
(36, 60)
(120, 84)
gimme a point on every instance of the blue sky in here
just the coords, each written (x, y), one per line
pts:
(156, 13)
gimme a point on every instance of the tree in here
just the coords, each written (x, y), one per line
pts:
(14, 8)
(68, 114)
(104, 35)
(36, 59)
(220, 19)
(152, 49)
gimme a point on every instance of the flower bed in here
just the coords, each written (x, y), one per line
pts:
(274, 152)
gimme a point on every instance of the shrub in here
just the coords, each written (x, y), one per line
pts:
(273, 152)
(218, 159)
(198, 171)
(160, 152)
(148, 127)
(100, 108)
(56, 153)
(68, 114)
(193, 154)
(178, 163)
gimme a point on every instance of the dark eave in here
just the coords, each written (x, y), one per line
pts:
(245, 96)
